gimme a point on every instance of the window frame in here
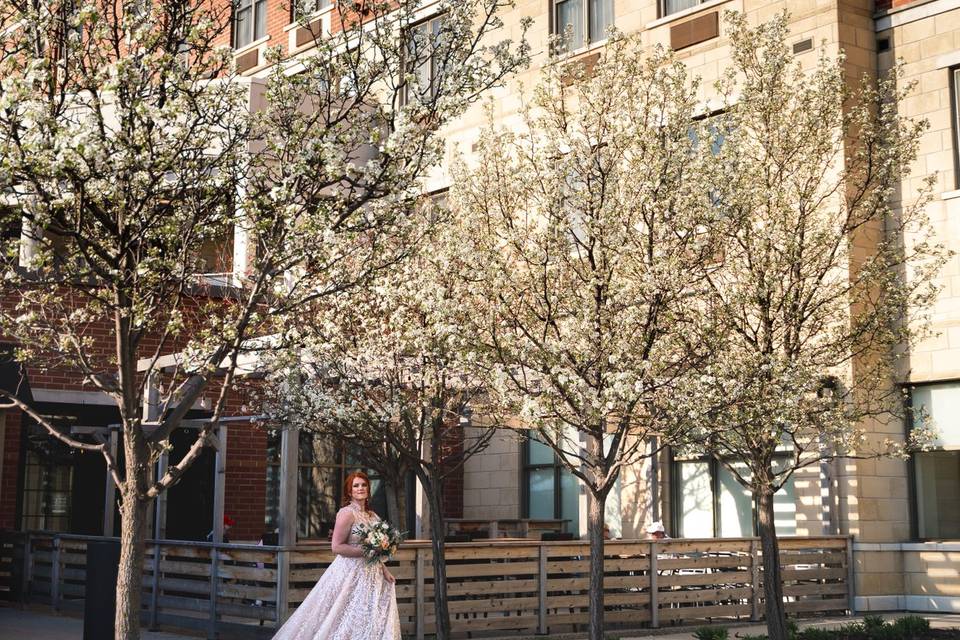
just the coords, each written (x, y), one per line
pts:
(913, 491)
(240, 6)
(570, 526)
(954, 84)
(342, 465)
(435, 33)
(587, 18)
(662, 8)
(714, 464)
(526, 467)
(319, 7)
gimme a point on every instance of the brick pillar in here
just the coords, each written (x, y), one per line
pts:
(11, 468)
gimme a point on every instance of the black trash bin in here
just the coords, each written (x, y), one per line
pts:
(100, 604)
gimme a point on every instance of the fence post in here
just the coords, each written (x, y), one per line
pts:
(283, 585)
(55, 574)
(754, 581)
(419, 593)
(214, 579)
(542, 590)
(27, 566)
(851, 578)
(654, 605)
(155, 590)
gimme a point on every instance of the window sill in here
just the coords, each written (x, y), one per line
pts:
(313, 17)
(950, 195)
(679, 15)
(576, 53)
(239, 51)
(907, 546)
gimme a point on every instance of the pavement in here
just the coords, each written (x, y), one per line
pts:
(937, 621)
(41, 624)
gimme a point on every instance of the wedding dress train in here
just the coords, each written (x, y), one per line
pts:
(351, 601)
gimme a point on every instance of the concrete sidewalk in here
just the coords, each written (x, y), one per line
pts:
(937, 621)
(32, 624)
(41, 624)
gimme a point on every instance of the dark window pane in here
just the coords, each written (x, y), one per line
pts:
(538, 453)
(938, 494)
(673, 6)
(260, 23)
(601, 19)
(540, 485)
(570, 501)
(695, 500)
(570, 22)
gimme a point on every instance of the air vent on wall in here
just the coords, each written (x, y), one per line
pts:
(803, 46)
(883, 44)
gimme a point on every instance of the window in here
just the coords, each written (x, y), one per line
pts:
(323, 467)
(955, 95)
(550, 491)
(582, 21)
(710, 502)
(936, 473)
(669, 7)
(249, 22)
(307, 8)
(423, 41)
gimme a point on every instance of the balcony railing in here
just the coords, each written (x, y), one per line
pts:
(522, 587)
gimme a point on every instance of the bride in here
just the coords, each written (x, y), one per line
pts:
(352, 600)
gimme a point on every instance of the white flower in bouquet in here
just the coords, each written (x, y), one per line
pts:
(379, 541)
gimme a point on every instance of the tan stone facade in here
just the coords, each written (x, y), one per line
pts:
(870, 499)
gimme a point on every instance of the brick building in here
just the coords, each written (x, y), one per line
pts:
(904, 516)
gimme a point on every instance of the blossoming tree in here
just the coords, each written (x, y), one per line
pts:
(392, 374)
(585, 235)
(822, 284)
(128, 145)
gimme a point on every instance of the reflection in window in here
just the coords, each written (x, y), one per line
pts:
(711, 502)
(423, 43)
(937, 473)
(582, 21)
(551, 491)
(675, 6)
(249, 22)
(323, 466)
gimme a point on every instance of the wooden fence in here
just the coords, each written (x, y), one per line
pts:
(522, 587)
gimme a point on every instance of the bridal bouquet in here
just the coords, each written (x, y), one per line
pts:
(379, 541)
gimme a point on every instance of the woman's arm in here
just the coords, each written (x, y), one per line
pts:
(341, 533)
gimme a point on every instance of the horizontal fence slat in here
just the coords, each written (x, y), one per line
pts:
(492, 586)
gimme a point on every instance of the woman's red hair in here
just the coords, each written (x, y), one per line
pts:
(348, 488)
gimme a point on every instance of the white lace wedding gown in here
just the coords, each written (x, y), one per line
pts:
(351, 601)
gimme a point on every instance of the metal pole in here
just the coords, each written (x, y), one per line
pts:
(219, 483)
(654, 480)
(287, 513)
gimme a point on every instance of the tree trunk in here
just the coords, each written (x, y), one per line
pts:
(133, 526)
(595, 531)
(772, 582)
(439, 562)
